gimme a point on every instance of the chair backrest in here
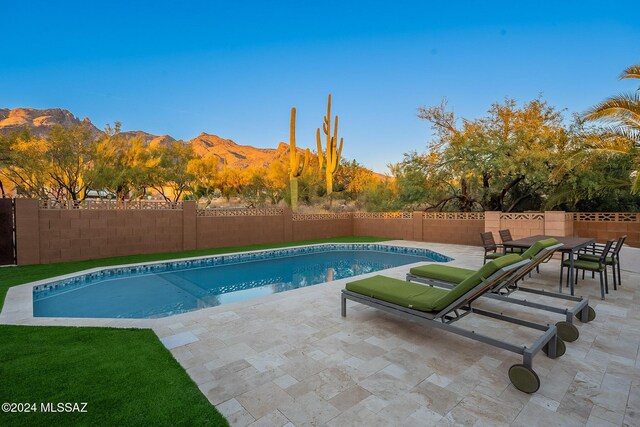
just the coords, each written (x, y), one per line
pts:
(605, 252)
(618, 247)
(487, 241)
(505, 235)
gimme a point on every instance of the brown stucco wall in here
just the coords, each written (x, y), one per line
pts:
(57, 235)
(394, 228)
(322, 229)
(70, 235)
(223, 231)
(27, 232)
(521, 228)
(456, 231)
(608, 230)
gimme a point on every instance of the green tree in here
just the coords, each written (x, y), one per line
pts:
(170, 177)
(254, 191)
(69, 154)
(24, 163)
(352, 178)
(500, 162)
(121, 165)
(206, 176)
(276, 180)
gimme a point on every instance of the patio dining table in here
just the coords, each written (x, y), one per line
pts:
(571, 246)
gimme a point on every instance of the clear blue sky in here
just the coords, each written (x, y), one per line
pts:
(235, 68)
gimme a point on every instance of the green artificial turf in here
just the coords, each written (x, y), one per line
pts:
(125, 376)
(12, 276)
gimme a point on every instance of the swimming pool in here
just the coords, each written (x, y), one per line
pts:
(168, 288)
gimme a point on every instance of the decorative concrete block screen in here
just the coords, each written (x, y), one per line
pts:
(462, 228)
(109, 204)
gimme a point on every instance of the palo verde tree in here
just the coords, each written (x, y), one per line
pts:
(120, 164)
(333, 150)
(69, 152)
(171, 177)
(23, 163)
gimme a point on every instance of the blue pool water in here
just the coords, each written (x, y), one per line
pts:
(184, 286)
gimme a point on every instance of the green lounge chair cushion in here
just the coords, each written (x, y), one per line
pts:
(399, 292)
(421, 297)
(595, 258)
(448, 274)
(443, 273)
(494, 255)
(537, 247)
(475, 279)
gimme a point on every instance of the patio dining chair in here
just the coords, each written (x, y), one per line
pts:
(612, 259)
(490, 247)
(505, 236)
(599, 266)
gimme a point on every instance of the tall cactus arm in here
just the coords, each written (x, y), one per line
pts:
(333, 150)
(292, 128)
(320, 154)
(337, 156)
(307, 158)
(294, 156)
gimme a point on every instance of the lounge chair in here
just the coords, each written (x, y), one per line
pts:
(541, 251)
(439, 308)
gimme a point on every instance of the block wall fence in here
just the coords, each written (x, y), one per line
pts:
(48, 234)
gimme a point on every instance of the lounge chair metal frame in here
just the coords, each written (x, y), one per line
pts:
(549, 341)
(567, 330)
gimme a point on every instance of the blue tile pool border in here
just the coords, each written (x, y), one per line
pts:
(83, 279)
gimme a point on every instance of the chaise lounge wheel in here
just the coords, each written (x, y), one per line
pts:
(591, 314)
(567, 331)
(524, 379)
(561, 348)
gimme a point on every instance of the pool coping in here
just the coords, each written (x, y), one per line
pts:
(18, 304)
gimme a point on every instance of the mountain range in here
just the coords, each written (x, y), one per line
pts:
(40, 123)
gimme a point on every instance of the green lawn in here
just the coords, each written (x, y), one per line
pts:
(125, 376)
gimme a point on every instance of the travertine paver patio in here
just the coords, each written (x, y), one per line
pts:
(290, 359)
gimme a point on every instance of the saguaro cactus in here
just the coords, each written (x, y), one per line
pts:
(296, 165)
(333, 150)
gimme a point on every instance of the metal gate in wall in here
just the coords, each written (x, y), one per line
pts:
(7, 232)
